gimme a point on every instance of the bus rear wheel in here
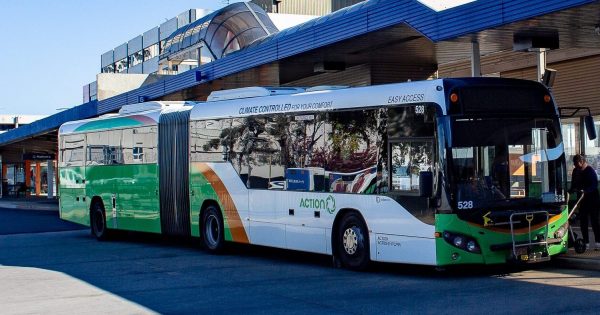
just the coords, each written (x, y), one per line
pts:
(98, 221)
(211, 229)
(353, 242)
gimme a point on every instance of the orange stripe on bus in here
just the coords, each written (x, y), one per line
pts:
(238, 233)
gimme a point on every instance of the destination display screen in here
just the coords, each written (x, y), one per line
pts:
(500, 99)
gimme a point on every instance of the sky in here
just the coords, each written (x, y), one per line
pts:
(50, 49)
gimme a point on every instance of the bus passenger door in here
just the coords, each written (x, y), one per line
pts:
(139, 190)
(265, 227)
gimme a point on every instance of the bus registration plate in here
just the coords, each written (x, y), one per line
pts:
(522, 253)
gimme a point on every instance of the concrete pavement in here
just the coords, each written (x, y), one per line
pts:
(28, 290)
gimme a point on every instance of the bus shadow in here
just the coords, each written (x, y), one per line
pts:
(173, 275)
(278, 255)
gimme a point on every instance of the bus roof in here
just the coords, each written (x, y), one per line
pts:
(429, 91)
(323, 100)
(131, 116)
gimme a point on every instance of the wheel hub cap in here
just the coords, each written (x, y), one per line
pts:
(350, 240)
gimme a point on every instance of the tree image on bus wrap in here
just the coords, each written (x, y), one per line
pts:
(263, 149)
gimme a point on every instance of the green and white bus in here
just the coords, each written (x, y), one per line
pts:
(439, 172)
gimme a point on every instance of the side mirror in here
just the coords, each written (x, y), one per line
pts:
(426, 184)
(589, 127)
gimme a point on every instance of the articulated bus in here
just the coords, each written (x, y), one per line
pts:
(440, 172)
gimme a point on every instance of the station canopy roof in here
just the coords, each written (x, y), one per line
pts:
(222, 32)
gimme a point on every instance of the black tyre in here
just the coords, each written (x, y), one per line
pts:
(579, 246)
(353, 242)
(572, 237)
(211, 229)
(98, 221)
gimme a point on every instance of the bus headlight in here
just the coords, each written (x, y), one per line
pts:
(561, 231)
(473, 247)
(463, 242)
(458, 241)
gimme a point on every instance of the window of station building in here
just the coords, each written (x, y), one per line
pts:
(109, 69)
(151, 52)
(163, 46)
(121, 65)
(72, 150)
(136, 58)
(350, 151)
(210, 140)
(139, 145)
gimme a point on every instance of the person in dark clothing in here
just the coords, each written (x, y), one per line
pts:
(584, 180)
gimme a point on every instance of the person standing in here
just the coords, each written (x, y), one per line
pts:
(584, 179)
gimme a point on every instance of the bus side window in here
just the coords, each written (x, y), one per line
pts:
(114, 152)
(304, 153)
(351, 151)
(96, 146)
(73, 150)
(263, 152)
(210, 140)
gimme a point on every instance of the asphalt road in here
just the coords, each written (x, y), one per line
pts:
(71, 272)
(16, 221)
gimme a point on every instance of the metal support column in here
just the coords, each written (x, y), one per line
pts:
(38, 178)
(50, 177)
(27, 170)
(475, 60)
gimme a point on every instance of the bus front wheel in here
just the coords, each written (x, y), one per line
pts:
(353, 242)
(98, 221)
(211, 229)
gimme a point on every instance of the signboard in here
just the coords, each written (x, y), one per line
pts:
(38, 156)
